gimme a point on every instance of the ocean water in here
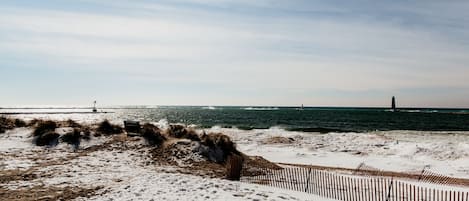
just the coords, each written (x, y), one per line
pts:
(309, 119)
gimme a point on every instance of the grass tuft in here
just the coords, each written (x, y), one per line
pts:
(73, 137)
(20, 123)
(106, 128)
(180, 131)
(71, 123)
(152, 134)
(49, 138)
(8, 124)
(43, 127)
(219, 142)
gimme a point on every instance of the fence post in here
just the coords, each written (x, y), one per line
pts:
(307, 180)
(390, 190)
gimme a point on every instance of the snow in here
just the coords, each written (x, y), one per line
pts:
(126, 174)
(16, 139)
(167, 186)
(131, 175)
(403, 151)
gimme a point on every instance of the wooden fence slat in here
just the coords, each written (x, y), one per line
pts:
(440, 195)
(446, 195)
(296, 174)
(295, 178)
(306, 187)
(276, 176)
(324, 189)
(368, 187)
(261, 176)
(344, 188)
(380, 188)
(318, 181)
(363, 189)
(330, 185)
(326, 185)
(286, 179)
(401, 190)
(281, 178)
(335, 186)
(339, 187)
(292, 172)
(321, 182)
(351, 188)
(313, 182)
(418, 192)
(356, 185)
(273, 176)
(305, 179)
(425, 194)
(301, 179)
(408, 190)
(328, 189)
(354, 190)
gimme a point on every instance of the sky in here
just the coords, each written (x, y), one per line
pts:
(234, 52)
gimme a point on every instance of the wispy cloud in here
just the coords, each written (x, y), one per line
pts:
(247, 45)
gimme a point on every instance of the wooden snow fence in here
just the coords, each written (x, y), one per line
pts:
(353, 188)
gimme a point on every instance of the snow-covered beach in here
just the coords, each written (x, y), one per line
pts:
(121, 168)
(402, 151)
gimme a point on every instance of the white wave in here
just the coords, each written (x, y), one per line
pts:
(209, 108)
(400, 150)
(261, 108)
(162, 124)
(412, 111)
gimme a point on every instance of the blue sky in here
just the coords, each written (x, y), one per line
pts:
(234, 52)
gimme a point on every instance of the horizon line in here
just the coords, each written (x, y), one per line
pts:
(136, 106)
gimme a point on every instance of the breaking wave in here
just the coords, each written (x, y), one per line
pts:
(261, 108)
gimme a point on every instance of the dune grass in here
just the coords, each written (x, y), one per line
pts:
(43, 127)
(152, 134)
(106, 128)
(181, 131)
(9, 123)
(73, 137)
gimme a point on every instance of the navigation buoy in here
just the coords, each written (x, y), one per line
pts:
(94, 107)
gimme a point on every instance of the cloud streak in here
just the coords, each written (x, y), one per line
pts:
(303, 46)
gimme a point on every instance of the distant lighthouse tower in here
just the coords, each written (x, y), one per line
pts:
(94, 107)
(393, 104)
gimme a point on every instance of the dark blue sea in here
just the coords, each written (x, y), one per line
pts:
(308, 119)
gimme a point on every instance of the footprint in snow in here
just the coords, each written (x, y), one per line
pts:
(239, 195)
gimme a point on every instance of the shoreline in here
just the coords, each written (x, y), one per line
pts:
(33, 113)
(105, 165)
